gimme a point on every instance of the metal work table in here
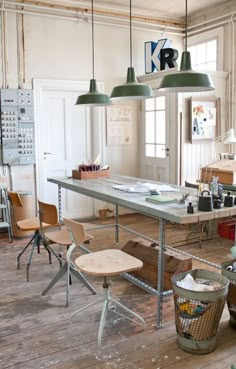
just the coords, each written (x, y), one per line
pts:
(102, 189)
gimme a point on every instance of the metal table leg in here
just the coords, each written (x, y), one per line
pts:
(59, 204)
(160, 274)
(117, 224)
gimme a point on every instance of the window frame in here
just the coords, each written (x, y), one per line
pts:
(155, 143)
(207, 36)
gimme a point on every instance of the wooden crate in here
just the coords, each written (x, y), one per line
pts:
(224, 169)
(90, 174)
(146, 251)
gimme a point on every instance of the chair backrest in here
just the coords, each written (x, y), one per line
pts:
(48, 213)
(191, 185)
(76, 231)
(14, 199)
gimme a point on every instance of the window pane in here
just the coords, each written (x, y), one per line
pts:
(149, 104)
(201, 53)
(192, 51)
(204, 55)
(150, 128)
(160, 151)
(160, 127)
(211, 66)
(160, 103)
(202, 66)
(150, 150)
(211, 51)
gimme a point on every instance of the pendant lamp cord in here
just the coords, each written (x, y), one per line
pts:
(92, 41)
(186, 25)
(130, 33)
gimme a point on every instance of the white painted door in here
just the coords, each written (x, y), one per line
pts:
(159, 139)
(64, 140)
(155, 158)
(159, 133)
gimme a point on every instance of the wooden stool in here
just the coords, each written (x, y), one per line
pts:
(35, 224)
(73, 236)
(108, 263)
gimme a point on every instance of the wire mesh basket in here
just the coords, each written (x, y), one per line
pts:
(197, 314)
(231, 297)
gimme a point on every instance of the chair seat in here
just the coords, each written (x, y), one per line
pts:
(107, 263)
(62, 237)
(31, 224)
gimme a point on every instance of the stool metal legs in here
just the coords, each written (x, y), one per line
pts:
(35, 242)
(69, 268)
(107, 299)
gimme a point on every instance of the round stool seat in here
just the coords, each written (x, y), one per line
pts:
(107, 263)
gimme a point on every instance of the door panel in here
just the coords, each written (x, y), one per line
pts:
(64, 131)
(155, 160)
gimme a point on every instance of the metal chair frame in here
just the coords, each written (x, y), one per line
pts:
(35, 225)
(69, 267)
(107, 299)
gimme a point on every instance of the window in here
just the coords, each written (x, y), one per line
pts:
(204, 55)
(155, 127)
(207, 50)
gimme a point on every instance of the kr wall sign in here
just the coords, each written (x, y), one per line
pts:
(159, 55)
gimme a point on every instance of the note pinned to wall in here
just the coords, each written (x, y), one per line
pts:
(119, 125)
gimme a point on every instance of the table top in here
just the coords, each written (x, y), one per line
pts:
(102, 189)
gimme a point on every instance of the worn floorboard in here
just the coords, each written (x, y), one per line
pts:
(36, 331)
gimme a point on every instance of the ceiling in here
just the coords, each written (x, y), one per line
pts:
(158, 15)
(163, 9)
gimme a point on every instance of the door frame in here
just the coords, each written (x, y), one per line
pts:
(154, 79)
(42, 85)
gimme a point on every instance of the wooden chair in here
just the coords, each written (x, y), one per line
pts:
(70, 241)
(33, 224)
(108, 263)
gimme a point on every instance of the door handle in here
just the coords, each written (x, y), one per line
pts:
(47, 153)
(167, 149)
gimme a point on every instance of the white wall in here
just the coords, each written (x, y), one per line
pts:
(196, 155)
(60, 49)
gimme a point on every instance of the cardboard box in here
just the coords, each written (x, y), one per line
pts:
(90, 174)
(224, 169)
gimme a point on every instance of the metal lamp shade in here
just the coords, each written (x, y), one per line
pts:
(231, 139)
(186, 79)
(93, 97)
(131, 90)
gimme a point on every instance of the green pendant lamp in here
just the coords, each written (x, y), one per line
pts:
(186, 79)
(93, 97)
(132, 89)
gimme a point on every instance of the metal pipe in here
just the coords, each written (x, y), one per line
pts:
(98, 22)
(208, 27)
(212, 20)
(230, 78)
(3, 41)
(160, 272)
(233, 72)
(100, 13)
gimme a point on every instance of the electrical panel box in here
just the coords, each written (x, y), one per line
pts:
(17, 127)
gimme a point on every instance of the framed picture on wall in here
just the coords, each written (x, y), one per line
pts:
(204, 118)
(119, 125)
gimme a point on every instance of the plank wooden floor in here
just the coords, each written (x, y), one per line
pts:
(36, 331)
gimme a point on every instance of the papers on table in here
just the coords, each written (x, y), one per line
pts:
(165, 199)
(140, 187)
